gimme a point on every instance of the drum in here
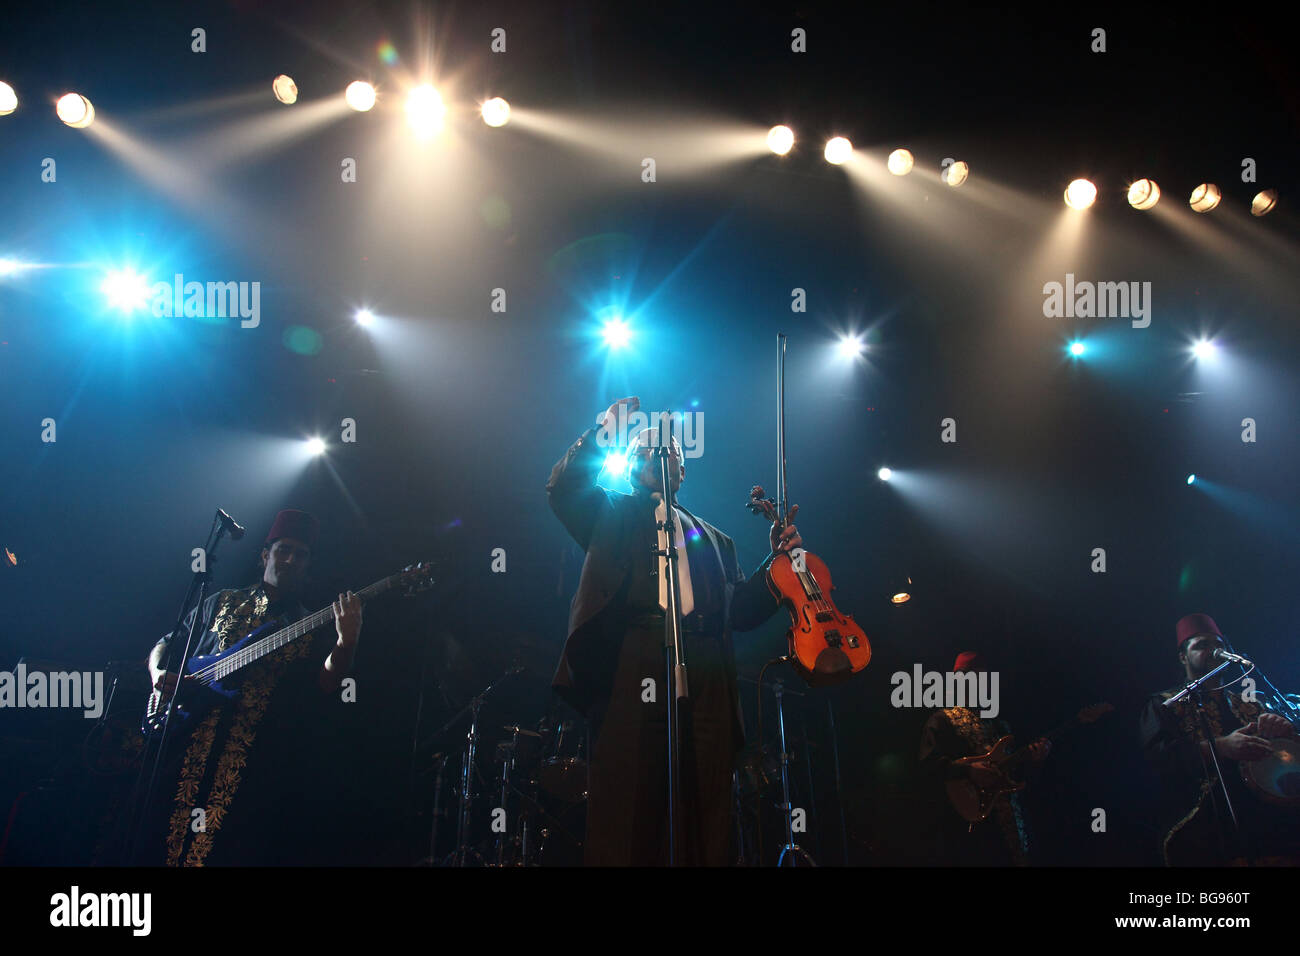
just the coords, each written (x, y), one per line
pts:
(1276, 778)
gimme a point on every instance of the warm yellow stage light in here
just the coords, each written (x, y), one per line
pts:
(75, 110)
(780, 139)
(901, 162)
(1143, 194)
(8, 99)
(1080, 194)
(1205, 197)
(285, 89)
(425, 110)
(838, 150)
(1263, 203)
(360, 95)
(496, 112)
(956, 174)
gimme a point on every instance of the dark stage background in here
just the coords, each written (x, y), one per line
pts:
(461, 411)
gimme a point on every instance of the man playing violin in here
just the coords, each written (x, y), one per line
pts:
(612, 667)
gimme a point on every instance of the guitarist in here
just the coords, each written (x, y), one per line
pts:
(217, 752)
(948, 736)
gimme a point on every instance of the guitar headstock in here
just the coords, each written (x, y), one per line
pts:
(1095, 712)
(415, 578)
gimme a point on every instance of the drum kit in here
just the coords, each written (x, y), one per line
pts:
(528, 809)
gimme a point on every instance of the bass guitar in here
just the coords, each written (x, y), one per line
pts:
(212, 679)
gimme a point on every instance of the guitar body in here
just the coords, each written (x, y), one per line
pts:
(195, 698)
(972, 803)
(826, 647)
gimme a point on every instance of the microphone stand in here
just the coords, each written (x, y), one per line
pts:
(1193, 690)
(674, 648)
(199, 582)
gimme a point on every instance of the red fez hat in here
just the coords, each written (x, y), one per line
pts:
(967, 661)
(295, 524)
(1194, 624)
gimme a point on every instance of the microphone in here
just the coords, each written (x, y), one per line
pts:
(233, 527)
(1221, 655)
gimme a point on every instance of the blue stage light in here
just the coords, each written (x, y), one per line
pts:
(1205, 349)
(1077, 349)
(1191, 479)
(9, 267)
(126, 290)
(316, 446)
(850, 346)
(884, 474)
(616, 334)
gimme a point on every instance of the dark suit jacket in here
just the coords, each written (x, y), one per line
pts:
(615, 530)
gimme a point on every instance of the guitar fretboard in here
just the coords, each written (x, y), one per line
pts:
(273, 642)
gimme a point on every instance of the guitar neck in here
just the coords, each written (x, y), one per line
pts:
(273, 642)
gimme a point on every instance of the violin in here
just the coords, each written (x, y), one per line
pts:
(826, 646)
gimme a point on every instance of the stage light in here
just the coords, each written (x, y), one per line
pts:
(900, 591)
(884, 474)
(615, 463)
(1191, 479)
(9, 267)
(315, 446)
(780, 139)
(1263, 203)
(425, 110)
(365, 318)
(1077, 349)
(495, 112)
(1205, 349)
(956, 174)
(285, 89)
(8, 99)
(1143, 194)
(616, 333)
(838, 150)
(75, 110)
(850, 346)
(359, 95)
(1205, 197)
(1080, 194)
(126, 290)
(901, 162)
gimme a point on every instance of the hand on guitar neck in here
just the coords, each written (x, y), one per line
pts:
(989, 776)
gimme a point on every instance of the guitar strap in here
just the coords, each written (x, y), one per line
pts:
(207, 782)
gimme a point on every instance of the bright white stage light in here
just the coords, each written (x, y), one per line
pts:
(1080, 194)
(850, 346)
(9, 267)
(425, 110)
(901, 162)
(1077, 349)
(365, 318)
(359, 95)
(884, 474)
(8, 99)
(1143, 194)
(1205, 197)
(780, 139)
(126, 290)
(495, 112)
(1205, 349)
(285, 89)
(75, 110)
(838, 150)
(316, 446)
(956, 174)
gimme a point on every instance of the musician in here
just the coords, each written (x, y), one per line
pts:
(219, 752)
(615, 648)
(1177, 741)
(954, 733)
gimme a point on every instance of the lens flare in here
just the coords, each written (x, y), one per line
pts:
(425, 111)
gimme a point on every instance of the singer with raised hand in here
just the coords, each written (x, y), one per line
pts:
(230, 742)
(612, 666)
(1185, 743)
